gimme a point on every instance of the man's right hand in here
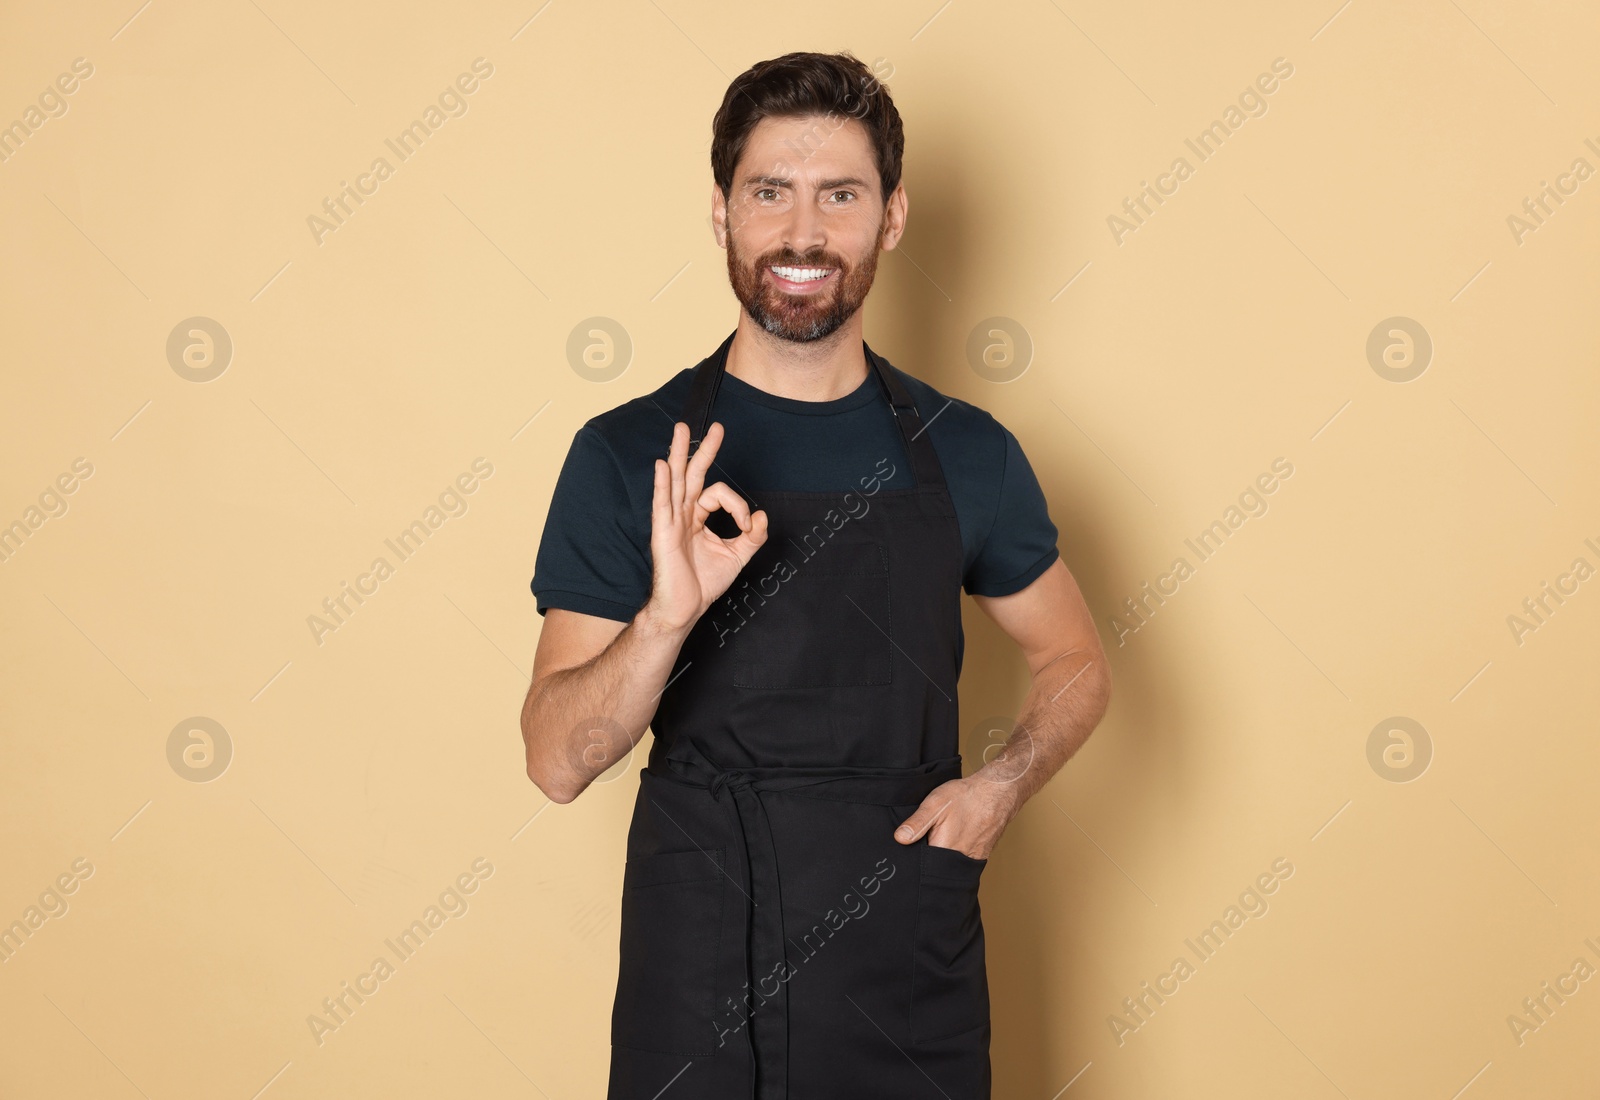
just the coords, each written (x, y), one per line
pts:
(690, 565)
(596, 682)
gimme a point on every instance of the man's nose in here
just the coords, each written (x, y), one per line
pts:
(804, 231)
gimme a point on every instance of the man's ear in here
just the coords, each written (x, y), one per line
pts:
(719, 216)
(894, 216)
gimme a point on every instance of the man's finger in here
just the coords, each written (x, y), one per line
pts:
(660, 499)
(746, 545)
(701, 461)
(929, 813)
(676, 459)
(913, 827)
(722, 496)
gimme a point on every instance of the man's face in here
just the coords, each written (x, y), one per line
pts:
(804, 223)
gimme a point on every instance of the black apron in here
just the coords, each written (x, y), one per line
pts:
(777, 942)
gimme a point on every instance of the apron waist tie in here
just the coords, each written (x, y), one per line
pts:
(767, 964)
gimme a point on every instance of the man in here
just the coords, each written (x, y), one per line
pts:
(800, 906)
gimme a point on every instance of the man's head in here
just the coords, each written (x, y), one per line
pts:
(805, 157)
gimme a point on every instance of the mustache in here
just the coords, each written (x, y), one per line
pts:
(794, 259)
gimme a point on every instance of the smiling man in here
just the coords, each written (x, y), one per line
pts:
(762, 562)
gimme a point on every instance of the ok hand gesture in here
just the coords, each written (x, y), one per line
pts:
(690, 565)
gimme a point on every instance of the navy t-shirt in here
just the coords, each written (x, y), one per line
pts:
(594, 557)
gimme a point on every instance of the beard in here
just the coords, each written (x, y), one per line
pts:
(800, 318)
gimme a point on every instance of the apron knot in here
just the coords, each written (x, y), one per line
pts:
(735, 779)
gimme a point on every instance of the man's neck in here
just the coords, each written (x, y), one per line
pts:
(821, 370)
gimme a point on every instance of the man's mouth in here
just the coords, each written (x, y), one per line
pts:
(800, 280)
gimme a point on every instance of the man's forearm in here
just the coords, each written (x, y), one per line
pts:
(1064, 704)
(578, 722)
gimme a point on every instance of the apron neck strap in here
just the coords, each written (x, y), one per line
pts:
(924, 461)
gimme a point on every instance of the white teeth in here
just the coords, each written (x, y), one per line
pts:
(801, 274)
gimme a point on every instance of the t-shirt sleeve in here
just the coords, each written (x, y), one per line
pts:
(593, 557)
(1021, 543)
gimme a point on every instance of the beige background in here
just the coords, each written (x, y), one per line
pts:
(1168, 371)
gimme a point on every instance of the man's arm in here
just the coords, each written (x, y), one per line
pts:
(1070, 689)
(596, 681)
(594, 690)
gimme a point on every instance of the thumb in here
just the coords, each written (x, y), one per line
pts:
(748, 542)
(912, 828)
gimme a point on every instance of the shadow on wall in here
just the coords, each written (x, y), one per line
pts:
(1039, 921)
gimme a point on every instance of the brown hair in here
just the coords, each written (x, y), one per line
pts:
(835, 85)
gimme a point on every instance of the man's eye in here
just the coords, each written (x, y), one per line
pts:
(848, 195)
(767, 194)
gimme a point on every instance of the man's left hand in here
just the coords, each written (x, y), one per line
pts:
(965, 814)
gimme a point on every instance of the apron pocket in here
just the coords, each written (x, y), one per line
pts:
(949, 985)
(825, 624)
(671, 932)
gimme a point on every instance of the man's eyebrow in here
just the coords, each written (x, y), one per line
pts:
(822, 185)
